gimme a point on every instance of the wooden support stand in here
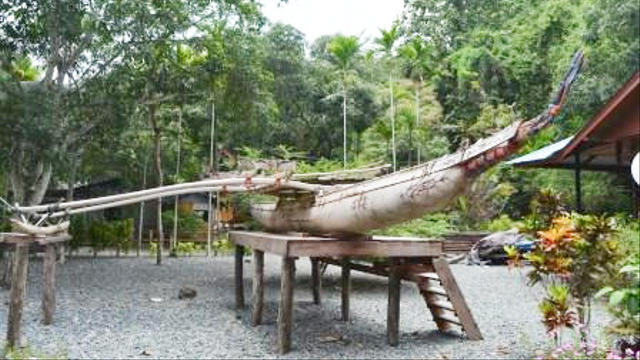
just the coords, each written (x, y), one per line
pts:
(346, 288)
(408, 259)
(285, 313)
(19, 281)
(316, 281)
(239, 280)
(49, 285)
(393, 308)
(18, 285)
(257, 297)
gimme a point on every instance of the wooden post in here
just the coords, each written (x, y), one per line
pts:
(239, 280)
(257, 297)
(316, 281)
(393, 308)
(346, 288)
(285, 313)
(18, 285)
(49, 285)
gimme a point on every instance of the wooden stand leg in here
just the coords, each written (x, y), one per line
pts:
(346, 288)
(49, 285)
(239, 279)
(257, 300)
(285, 313)
(393, 309)
(18, 285)
(316, 281)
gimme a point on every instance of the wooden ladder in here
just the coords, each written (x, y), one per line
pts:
(445, 301)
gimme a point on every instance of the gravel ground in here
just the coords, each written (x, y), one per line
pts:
(104, 311)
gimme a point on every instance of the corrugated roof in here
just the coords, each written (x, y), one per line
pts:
(541, 154)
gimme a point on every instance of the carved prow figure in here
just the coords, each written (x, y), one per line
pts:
(354, 209)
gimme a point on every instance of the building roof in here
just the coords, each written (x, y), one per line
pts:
(608, 142)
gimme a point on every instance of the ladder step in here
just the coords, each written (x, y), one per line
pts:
(449, 318)
(430, 275)
(435, 290)
(442, 305)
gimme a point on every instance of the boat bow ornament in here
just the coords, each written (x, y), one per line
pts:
(337, 209)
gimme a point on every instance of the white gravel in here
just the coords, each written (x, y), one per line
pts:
(104, 311)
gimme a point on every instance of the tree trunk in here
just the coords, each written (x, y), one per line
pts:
(21, 176)
(157, 159)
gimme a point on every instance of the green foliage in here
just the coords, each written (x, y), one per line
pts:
(624, 299)
(190, 225)
(501, 223)
(27, 352)
(429, 226)
(556, 309)
(187, 248)
(578, 254)
(111, 234)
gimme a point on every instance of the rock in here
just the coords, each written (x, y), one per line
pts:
(330, 338)
(187, 293)
(145, 352)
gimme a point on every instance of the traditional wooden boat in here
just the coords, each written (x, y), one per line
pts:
(338, 209)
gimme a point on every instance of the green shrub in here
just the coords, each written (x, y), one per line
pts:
(190, 225)
(111, 234)
(624, 300)
(187, 248)
(501, 223)
(432, 225)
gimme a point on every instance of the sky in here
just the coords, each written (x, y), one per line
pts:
(328, 17)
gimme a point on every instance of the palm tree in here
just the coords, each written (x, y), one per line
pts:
(415, 55)
(344, 50)
(386, 41)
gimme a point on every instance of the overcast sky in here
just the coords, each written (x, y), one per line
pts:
(327, 17)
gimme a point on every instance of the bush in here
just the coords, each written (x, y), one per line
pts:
(190, 225)
(432, 225)
(502, 223)
(187, 248)
(111, 234)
